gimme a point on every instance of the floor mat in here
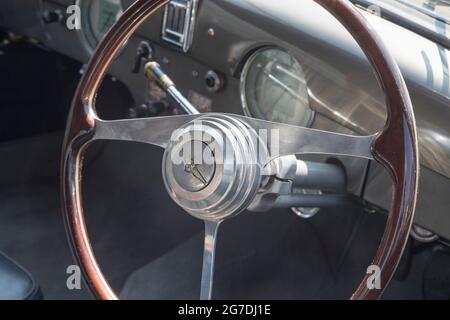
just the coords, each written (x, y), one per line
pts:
(33, 234)
(259, 256)
(277, 256)
(130, 219)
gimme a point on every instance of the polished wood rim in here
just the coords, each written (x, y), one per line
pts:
(395, 147)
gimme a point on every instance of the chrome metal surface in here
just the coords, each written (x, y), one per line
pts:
(154, 72)
(209, 251)
(224, 152)
(305, 212)
(237, 148)
(182, 101)
(279, 175)
(300, 140)
(213, 81)
(292, 139)
(193, 174)
(289, 182)
(283, 168)
(155, 131)
(179, 23)
(289, 138)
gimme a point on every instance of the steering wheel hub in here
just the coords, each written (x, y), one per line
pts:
(191, 172)
(212, 167)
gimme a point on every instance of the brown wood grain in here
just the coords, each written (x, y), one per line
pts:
(395, 147)
(79, 130)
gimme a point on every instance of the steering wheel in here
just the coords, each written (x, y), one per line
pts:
(227, 187)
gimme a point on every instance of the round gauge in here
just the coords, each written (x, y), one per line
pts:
(97, 17)
(273, 88)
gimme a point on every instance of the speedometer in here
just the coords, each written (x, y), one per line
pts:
(273, 87)
(97, 17)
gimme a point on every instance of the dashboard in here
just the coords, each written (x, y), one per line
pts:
(292, 63)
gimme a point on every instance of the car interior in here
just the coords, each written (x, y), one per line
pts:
(349, 197)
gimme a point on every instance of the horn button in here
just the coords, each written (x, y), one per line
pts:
(211, 167)
(196, 169)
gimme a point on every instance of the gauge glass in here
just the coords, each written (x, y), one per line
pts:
(97, 19)
(274, 88)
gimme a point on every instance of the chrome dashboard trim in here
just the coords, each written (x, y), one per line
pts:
(190, 7)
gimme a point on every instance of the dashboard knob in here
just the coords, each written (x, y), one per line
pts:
(214, 82)
(49, 17)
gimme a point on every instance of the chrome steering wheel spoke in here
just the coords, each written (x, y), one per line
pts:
(285, 139)
(155, 131)
(278, 140)
(209, 252)
(295, 140)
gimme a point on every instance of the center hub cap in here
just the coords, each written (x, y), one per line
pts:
(193, 173)
(211, 167)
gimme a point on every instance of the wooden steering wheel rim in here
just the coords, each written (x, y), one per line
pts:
(395, 147)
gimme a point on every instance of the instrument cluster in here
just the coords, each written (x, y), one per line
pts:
(97, 18)
(274, 88)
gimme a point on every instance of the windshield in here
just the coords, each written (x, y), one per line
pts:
(436, 8)
(428, 18)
